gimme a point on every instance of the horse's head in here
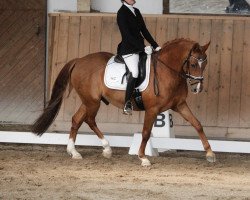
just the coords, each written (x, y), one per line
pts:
(195, 65)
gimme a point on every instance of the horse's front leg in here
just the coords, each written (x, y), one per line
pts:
(186, 113)
(146, 132)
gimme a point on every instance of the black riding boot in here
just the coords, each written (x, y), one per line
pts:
(128, 108)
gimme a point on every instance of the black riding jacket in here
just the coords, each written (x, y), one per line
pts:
(132, 28)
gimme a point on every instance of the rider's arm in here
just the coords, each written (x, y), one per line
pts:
(145, 31)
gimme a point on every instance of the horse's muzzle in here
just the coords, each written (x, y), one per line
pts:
(198, 89)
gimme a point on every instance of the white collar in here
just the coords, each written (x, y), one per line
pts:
(130, 7)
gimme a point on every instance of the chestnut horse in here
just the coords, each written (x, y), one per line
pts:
(179, 60)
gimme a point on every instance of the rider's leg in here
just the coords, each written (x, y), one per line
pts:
(128, 108)
(131, 61)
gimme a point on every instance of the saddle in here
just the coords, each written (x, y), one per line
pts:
(116, 76)
(141, 67)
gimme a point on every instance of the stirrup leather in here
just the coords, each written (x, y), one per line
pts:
(128, 108)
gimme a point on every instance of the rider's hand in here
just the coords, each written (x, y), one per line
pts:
(148, 50)
(157, 48)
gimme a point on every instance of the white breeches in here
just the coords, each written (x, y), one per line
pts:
(132, 61)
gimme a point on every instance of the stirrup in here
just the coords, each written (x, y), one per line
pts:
(128, 108)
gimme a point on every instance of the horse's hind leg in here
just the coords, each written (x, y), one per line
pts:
(186, 113)
(92, 111)
(77, 121)
(107, 152)
(86, 114)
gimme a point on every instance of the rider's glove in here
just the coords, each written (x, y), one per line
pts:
(148, 50)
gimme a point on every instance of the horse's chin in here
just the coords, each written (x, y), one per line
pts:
(196, 92)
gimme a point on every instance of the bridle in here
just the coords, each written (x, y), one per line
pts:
(195, 82)
(186, 73)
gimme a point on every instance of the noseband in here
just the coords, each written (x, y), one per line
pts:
(187, 73)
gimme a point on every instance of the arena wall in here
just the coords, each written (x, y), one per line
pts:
(223, 107)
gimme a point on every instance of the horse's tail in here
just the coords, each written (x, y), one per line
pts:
(51, 110)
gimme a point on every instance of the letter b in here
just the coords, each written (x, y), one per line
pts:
(160, 120)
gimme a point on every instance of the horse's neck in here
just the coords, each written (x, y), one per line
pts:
(173, 61)
(175, 55)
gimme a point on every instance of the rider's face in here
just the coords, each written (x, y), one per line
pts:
(130, 2)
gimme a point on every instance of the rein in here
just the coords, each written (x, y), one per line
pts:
(155, 58)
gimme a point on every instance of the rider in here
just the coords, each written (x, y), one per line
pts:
(133, 31)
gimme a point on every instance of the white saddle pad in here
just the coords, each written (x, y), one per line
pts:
(114, 72)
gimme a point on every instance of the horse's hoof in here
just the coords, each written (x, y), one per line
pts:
(107, 153)
(145, 162)
(211, 157)
(77, 156)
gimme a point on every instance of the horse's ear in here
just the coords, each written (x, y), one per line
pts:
(196, 47)
(205, 47)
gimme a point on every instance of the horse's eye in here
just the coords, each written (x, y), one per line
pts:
(193, 65)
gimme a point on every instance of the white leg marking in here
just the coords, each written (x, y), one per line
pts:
(72, 150)
(107, 151)
(211, 157)
(145, 162)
